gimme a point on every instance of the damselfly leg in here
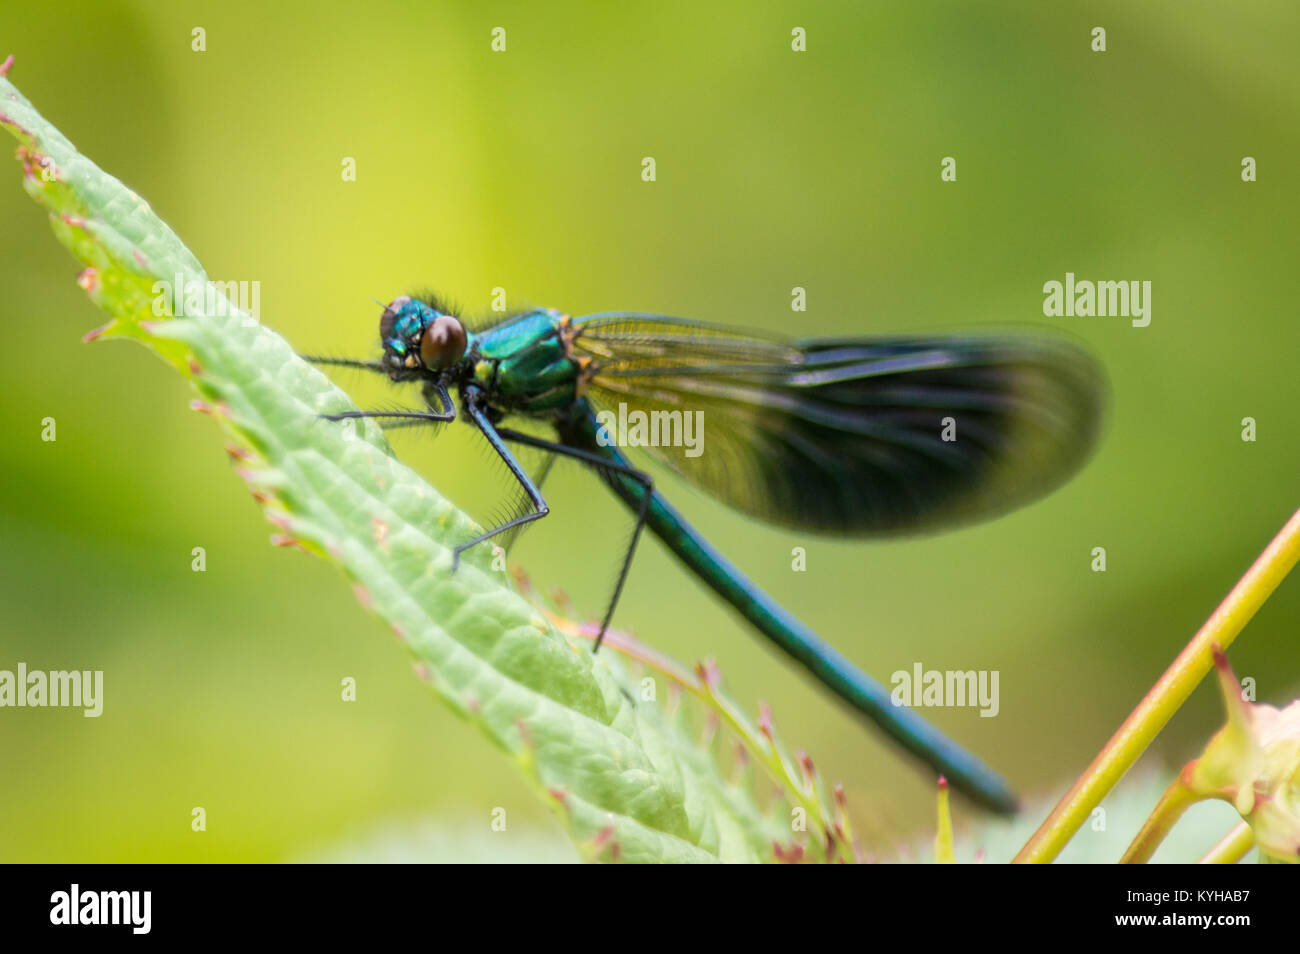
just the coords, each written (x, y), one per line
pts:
(609, 470)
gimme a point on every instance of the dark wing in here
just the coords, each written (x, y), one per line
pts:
(848, 436)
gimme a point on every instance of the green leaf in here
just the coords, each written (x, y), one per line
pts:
(628, 784)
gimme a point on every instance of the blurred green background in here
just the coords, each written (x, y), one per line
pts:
(522, 170)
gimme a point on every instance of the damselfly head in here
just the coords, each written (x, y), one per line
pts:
(418, 338)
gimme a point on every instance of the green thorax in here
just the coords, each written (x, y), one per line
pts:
(526, 365)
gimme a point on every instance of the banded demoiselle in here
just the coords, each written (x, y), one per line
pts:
(851, 437)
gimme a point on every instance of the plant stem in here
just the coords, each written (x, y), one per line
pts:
(943, 851)
(1176, 800)
(1231, 848)
(1165, 697)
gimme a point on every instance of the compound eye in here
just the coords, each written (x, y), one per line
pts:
(443, 343)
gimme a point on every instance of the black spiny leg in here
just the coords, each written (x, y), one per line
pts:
(343, 362)
(478, 416)
(412, 418)
(448, 412)
(543, 471)
(608, 467)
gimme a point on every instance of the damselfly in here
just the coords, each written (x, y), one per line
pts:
(857, 437)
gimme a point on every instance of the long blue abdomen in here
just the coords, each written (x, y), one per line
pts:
(966, 772)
